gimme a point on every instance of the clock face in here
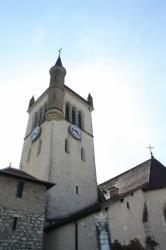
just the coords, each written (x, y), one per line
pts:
(35, 133)
(75, 132)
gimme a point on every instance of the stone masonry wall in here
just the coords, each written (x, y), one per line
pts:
(21, 218)
(33, 197)
(27, 233)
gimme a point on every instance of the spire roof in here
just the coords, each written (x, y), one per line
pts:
(90, 100)
(59, 62)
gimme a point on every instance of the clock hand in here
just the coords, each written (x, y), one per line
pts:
(76, 131)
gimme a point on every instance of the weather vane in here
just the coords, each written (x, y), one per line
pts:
(150, 149)
(60, 51)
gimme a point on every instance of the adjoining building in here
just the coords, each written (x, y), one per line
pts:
(22, 210)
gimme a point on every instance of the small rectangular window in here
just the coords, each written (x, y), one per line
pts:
(14, 225)
(39, 147)
(20, 187)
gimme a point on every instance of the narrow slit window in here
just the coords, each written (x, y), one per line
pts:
(20, 188)
(67, 112)
(14, 225)
(145, 213)
(76, 235)
(79, 120)
(128, 205)
(66, 146)
(76, 189)
(29, 156)
(73, 116)
(82, 154)
(39, 147)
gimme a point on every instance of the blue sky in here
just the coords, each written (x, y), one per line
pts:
(114, 49)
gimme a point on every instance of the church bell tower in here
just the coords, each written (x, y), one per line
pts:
(58, 146)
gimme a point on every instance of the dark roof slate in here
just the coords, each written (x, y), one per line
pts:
(157, 177)
(23, 175)
(148, 175)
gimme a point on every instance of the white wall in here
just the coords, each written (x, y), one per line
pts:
(156, 200)
(127, 224)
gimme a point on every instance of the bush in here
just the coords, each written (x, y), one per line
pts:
(133, 245)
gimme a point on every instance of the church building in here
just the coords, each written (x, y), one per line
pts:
(58, 162)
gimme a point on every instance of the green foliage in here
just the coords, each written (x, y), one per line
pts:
(117, 246)
(133, 245)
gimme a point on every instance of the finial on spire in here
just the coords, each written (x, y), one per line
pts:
(60, 51)
(150, 149)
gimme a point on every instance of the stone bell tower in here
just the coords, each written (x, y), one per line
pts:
(58, 146)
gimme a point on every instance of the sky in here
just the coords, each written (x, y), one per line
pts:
(114, 49)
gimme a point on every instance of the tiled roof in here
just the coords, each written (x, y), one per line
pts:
(149, 175)
(23, 175)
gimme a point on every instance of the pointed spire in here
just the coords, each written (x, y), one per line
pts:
(57, 73)
(31, 102)
(90, 100)
(59, 62)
